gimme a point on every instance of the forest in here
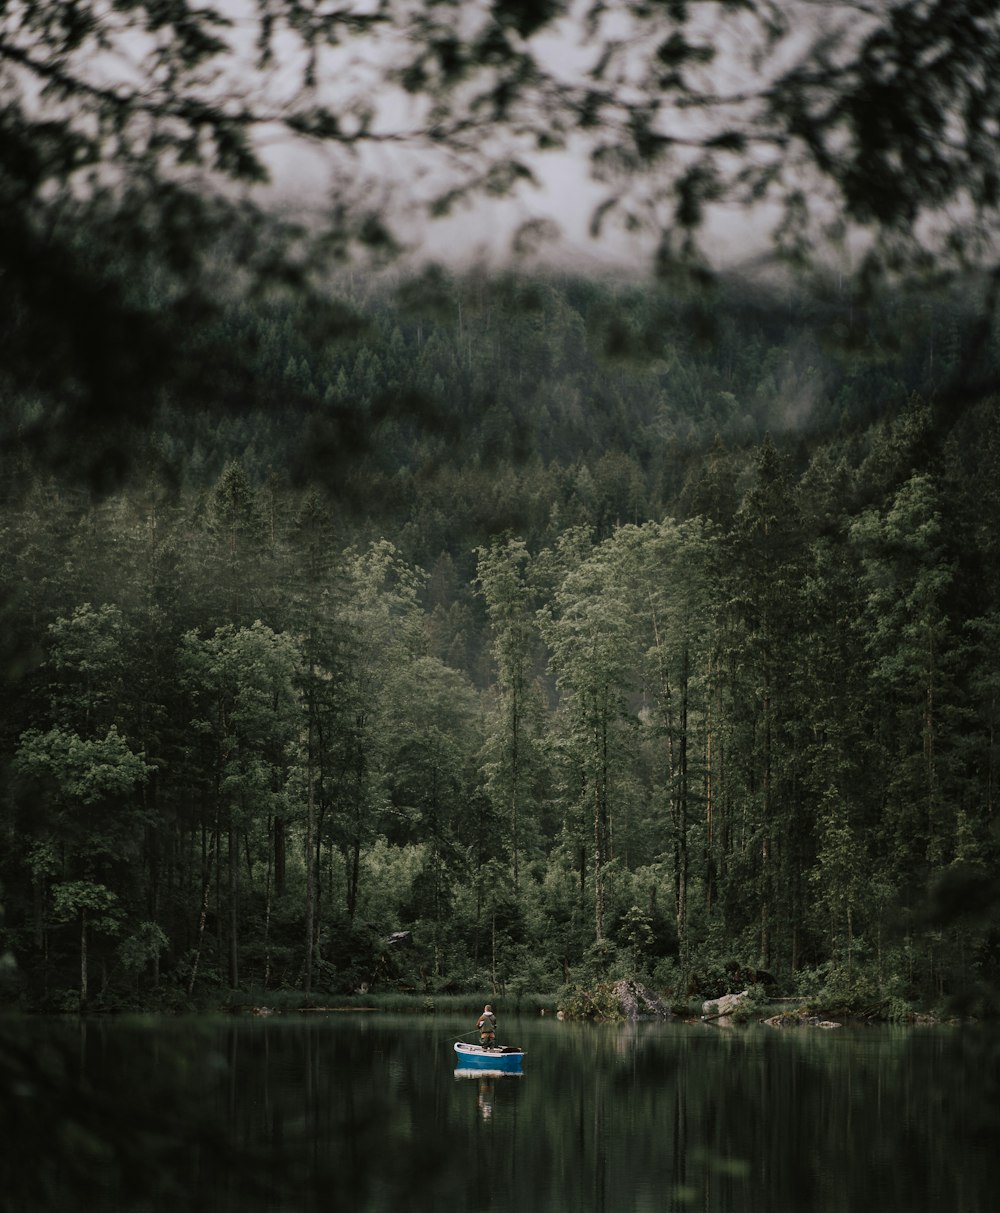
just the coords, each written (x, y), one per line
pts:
(535, 631)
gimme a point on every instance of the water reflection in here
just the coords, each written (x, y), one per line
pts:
(485, 1086)
(485, 1101)
(294, 1115)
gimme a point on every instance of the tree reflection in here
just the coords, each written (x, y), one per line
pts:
(86, 1124)
(293, 1116)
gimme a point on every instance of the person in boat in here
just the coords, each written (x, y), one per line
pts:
(487, 1025)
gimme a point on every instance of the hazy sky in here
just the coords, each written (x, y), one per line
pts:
(398, 171)
(402, 175)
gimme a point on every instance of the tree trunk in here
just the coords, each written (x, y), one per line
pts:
(353, 857)
(310, 836)
(601, 825)
(710, 865)
(203, 912)
(268, 892)
(682, 806)
(234, 885)
(514, 778)
(279, 857)
(83, 958)
(765, 856)
(354, 875)
(38, 905)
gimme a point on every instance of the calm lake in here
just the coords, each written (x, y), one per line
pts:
(364, 1112)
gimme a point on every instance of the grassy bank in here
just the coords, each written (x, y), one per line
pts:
(290, 1001)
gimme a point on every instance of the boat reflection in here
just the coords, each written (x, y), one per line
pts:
(485, 1100)
(460, 1072)
(486, 1089)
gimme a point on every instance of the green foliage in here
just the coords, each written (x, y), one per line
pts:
(72, 899)
(89, 656)
(144, 945)
(597, 1002)
(852, 991)
(636, 930)
(79, 772)
(609, 746)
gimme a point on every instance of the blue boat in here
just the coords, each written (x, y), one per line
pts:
(504, 1059)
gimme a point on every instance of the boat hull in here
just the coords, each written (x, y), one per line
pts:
(503, 1060)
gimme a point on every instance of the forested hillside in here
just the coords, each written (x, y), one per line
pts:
(560, 629)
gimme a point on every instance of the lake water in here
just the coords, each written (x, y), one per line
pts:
(364, 1112)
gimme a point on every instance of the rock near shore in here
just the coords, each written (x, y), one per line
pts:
(789, 1019)
(637, 1002)
(719, 1008)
